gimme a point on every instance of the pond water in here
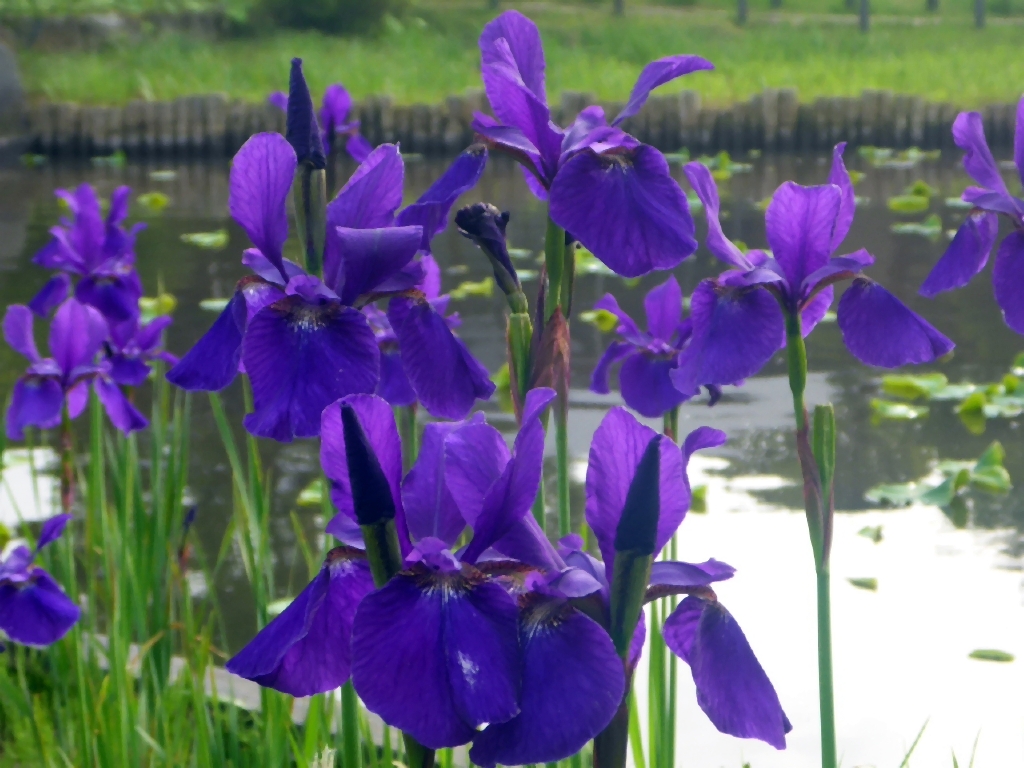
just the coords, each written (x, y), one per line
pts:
(945, 585)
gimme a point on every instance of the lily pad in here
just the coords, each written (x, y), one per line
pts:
(587, 264)
(681, 157)
(163, 175)
(914, 387)
(154, 201)
(33, 161)
(856, 177)
(908, 203)
(520, 253)
(312, 495)
(991, 654)
(469, 288)
(894, 494)
(921, 188)
(213, 305)
(602, 318)
(930, 227)
(887, 409)
(213, 241)
(868, 583)
(276, 607)
(958, 203)
(873, 532)
(117, 160)
(155, 306)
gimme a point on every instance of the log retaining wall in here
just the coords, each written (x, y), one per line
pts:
(774, 120)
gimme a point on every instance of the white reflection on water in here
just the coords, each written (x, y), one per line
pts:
(28, 489)
(901, 653)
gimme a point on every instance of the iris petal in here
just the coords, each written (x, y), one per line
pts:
(647, 387)
(799, 224)
(1008, 280)
(966, 255)
(969, 135)
(38, 613)
(212, 363)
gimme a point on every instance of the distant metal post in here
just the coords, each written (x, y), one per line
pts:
(775, 4)
(493, 4)
(932, 5)
(741, 12)
(979, 14)
(620, 7)
(865, 21)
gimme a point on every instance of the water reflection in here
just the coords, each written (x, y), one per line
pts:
(901, 652)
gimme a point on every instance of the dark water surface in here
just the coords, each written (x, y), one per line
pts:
(756, 473)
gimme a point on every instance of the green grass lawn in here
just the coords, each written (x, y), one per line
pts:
(432, 53)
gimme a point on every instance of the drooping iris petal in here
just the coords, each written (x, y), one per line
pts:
(115, 296)
(76, 335)
(658, 73)
(394, 385)
(573, 683)
(615, 453)
(969, 135)
(430, 211)
(664, 307)
(881, 330)
(446, 376)
(671, 573)
(625, 208)
(212, 363)
(839, 176)
(734, 334)
(51, 295)
(378, 424)
(52, 530)
(307, 648)
(429, 506)
(647, 387)
(966, 255)
(436, 654)
(370, 256)
(301, 356)
(616, 352)
(261, 177)
(732, 687)
(18, 331)
(36, 612)
(1018, 141)
(814, 310)
(799, 223)
(122, 414)
(35, 402)
(1008, 280)
(358, 147)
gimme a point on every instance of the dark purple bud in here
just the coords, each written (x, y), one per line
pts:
(303, 132)
(371, 493)
(485, 225)
(638, 527)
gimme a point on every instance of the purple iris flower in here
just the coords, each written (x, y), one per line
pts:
(647, 357)
(100, 252)
(133, 347)
(732, 688)
(394, 385)
(614, 194)
(303, 341)
(739, 319)
(34, 610)
(335, 111)
(968, 253)
(77, 334)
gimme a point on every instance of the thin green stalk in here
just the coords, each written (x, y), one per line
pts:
(554, 262)
(350, 726)
(408, 431)
(797, 363)
(670, 424)
(562, 459)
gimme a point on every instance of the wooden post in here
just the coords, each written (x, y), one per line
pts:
(619, 7)
(741, 12)
(865, 11)
(979, 14)
(775, 4)
(932, 6)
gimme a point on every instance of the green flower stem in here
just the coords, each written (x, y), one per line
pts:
(350, 727)
(310, 193)
(562, 458)
(816, 510)
(670, 424)
(409, 434)
(520, 335)
(554, 261)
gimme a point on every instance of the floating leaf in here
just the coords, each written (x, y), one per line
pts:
(312, 495)
(990, 654)
(873, 532)
(154, 201)
(469, 288)
(502, 379)
(699, 499)
(276, 607)
(921, 188)
(588, 264)
(829, 317)
(887, 409)
(930, 227)
(913, 387)
(869, 583)
(602, 318)
(457, 269)
(856, 177)
(895, 494)
(213, 305)
(163, 175)
(520, 253)
(958, 203)
(117, 160)
(155, 306)
(33, 161)
(763, 203)
(213, 241)
(526, 275)
(908, 204)
(721, 174)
